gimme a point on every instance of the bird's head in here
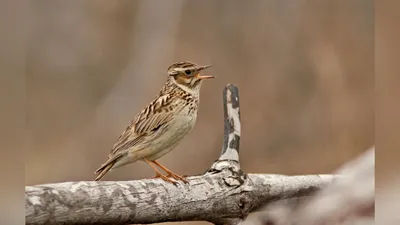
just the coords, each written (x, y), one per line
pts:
(186, 75)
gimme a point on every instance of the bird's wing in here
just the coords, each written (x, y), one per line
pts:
(156, 115)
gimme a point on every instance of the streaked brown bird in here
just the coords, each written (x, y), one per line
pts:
(160, 126)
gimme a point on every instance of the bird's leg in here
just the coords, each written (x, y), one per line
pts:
(158, 174)
(170, 173)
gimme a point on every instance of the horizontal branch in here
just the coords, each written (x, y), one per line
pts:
(222, 195)
(215, 197)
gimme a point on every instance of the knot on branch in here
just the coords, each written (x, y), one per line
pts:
(237, 178)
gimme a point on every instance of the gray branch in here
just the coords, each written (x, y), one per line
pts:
(222, 195)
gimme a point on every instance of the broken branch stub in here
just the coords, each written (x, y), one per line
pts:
(230, 148)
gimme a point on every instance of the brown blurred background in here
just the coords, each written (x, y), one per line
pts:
(304, 68)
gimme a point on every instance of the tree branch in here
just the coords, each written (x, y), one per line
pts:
(222, 195)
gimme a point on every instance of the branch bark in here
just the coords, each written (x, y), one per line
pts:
(222, 195)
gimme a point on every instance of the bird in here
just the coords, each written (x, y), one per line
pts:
(159, 127)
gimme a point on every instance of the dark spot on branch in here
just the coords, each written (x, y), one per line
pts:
(234, 143)
(232, 123)
(234, 96)
(209, 180)
(152, 199)
(106, 205)
(237, 175)
(307, 191)
(151, 185)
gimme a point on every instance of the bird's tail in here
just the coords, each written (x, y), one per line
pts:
(102, 171)
(107, 166)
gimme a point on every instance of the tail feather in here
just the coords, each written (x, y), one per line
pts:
(102, 171)
(107, 166)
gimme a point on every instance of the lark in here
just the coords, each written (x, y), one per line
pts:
(162, 124)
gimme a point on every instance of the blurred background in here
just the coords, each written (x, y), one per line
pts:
(304, 68)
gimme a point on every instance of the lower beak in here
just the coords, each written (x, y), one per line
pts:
(204, 77)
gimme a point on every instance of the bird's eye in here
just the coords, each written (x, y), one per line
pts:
(188, 72)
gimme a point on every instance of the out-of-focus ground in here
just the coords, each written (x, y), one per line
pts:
(304, 70)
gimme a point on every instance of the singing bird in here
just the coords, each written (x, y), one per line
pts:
(162, 124)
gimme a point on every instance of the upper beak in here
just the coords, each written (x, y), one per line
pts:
(204, 77)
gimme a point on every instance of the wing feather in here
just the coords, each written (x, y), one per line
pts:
(147, 123)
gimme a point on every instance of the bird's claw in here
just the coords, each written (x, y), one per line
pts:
(177, 177)
(165, 178)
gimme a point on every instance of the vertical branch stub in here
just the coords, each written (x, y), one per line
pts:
(230, 147)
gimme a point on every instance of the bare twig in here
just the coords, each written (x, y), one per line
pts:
(223, 195)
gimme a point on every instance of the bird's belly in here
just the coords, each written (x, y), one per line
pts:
(178, 128)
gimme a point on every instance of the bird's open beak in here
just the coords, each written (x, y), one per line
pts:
(204, 77)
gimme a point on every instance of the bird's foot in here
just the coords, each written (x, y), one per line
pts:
(170, 173)
(165, 178)
(177, 177)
